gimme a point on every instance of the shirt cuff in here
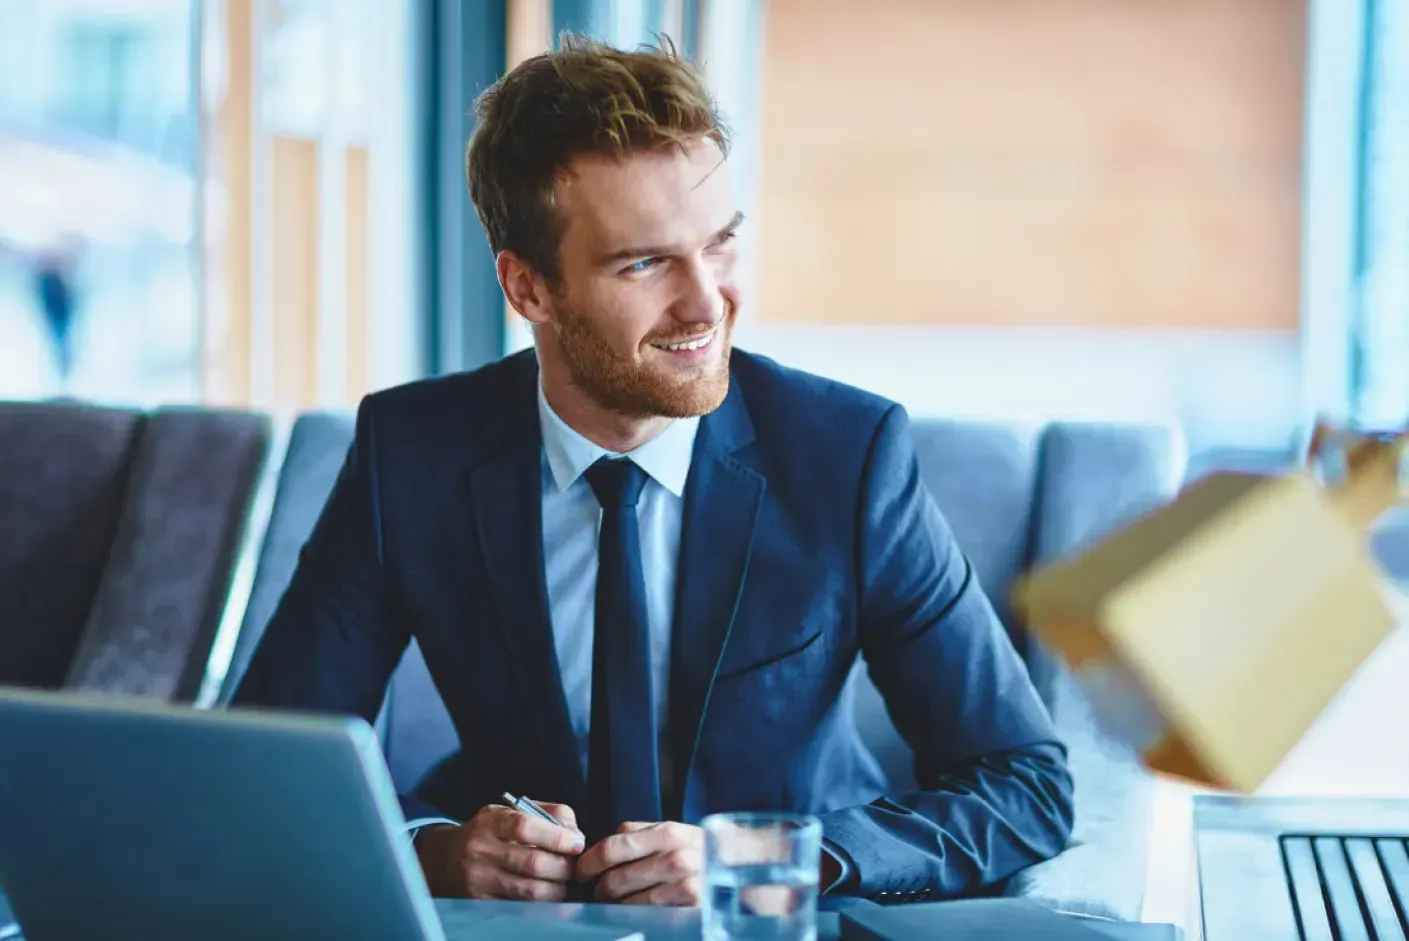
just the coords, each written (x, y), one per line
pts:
(415, 826)
(848, 869)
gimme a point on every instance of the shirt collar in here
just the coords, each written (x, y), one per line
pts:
(666, 457)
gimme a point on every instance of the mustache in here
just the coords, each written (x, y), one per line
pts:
(698, 330)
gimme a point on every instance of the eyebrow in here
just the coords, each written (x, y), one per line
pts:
(649, 251)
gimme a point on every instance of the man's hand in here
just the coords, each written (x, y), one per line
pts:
(647, 864)
(501, 853)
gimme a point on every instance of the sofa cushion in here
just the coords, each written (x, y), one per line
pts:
(317, 447)
(159, 603)
(984, 478)
(63, 474)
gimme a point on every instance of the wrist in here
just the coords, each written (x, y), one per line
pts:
(432, 845)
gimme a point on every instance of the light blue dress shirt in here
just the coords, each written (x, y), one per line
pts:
(571, 520)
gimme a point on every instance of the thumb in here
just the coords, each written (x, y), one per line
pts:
(631, 826)
(561, 813)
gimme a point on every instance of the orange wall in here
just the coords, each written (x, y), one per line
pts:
(1032, 162)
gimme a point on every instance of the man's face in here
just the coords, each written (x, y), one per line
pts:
(643, 314)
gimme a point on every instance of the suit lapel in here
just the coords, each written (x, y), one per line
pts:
(722, 501)
(508, 508)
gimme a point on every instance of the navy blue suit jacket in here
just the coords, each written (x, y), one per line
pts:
(809, 539)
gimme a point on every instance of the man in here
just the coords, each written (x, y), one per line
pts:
(641, 565)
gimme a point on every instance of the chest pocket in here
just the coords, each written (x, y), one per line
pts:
(782, 653)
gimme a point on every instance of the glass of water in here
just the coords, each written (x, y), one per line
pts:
(761, 873)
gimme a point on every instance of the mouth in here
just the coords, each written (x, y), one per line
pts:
(693, 348)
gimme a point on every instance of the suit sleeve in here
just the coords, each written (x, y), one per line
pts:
(994, 792)
(334, 639)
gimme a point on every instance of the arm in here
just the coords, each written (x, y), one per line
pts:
(333, 640)
(995, 795)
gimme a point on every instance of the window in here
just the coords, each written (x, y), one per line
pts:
(1380, 351)
(98, 292)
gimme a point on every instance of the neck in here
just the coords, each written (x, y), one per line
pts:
(615, 432)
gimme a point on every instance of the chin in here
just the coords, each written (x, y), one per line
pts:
(673, 397)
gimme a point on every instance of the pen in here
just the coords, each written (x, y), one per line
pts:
(524, 805)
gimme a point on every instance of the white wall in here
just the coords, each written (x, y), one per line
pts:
(1226, 389)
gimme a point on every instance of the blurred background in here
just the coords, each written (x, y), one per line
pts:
(1188, 210)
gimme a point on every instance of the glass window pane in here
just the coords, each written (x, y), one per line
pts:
(97, 201)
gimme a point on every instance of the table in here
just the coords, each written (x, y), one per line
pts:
(1355, 749)
(657, 924)
(665, 924)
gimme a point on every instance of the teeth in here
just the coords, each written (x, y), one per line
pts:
(689, 345)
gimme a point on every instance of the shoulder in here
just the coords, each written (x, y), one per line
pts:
(789, 402)
(465, 394)
(463, 413)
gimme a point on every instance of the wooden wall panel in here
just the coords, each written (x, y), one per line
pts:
(228, 264)
(1032, 162)
(358, 269)
(293, 249)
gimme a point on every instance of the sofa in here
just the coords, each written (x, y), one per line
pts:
(1015, 496)
(121, 530)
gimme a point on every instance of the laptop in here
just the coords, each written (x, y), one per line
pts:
(122, 817)
(1327, 869)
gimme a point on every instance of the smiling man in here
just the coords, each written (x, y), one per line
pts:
(641, 564)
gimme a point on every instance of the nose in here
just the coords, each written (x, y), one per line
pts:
(706, 292)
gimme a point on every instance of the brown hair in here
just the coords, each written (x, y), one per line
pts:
(587, 98)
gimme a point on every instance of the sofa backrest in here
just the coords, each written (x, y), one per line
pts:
(1012, 494)
(63, 474)
(1017, 496)
(121, 531)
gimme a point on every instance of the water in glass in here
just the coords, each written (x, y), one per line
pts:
(755, 902)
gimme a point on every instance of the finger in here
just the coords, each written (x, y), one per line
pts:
(562, 813)
(530, 831)
(680, 894)
(535, 863)
(618, 850)
(631, 826)
(522, 889)
(674, 865)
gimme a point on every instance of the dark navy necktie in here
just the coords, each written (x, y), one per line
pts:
(623, 774)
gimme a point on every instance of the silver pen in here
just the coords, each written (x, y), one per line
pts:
(527, 806)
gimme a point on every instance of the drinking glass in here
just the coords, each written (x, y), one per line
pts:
(761, 873)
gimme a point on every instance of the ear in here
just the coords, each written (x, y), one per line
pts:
(526, 291)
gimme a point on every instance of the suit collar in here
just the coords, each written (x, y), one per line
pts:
(666, 458)
(506, 494)
(729, 427)
(722, 506)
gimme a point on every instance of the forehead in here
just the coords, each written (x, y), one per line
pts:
(657, 197)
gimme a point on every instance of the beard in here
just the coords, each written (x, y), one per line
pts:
(634, 387)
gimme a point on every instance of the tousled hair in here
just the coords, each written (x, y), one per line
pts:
(585, 98)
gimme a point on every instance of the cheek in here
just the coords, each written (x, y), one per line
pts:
(626, 315)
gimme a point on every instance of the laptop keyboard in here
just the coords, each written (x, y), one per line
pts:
(1349, 888)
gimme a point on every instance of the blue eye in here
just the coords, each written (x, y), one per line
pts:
(644, 264)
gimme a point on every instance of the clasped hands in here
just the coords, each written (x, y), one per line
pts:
(501, 853)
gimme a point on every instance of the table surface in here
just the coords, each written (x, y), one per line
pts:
(656, 924)
(461, 918)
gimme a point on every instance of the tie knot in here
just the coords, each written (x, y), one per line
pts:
(617, 482)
